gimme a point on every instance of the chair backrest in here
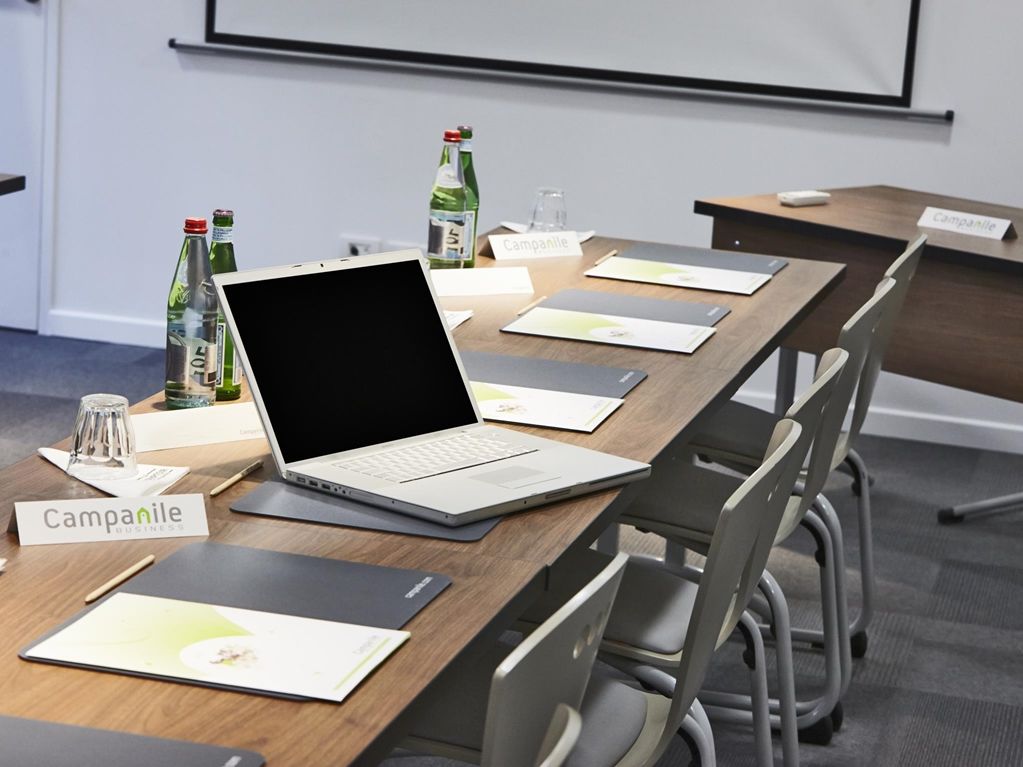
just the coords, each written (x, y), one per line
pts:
(902, 271)
(856, 337)
(809, 412)
(736, 560)
(561, 737)
(551, 666)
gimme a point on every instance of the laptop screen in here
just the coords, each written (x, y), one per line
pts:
(349, 358)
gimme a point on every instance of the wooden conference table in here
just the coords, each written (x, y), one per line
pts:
(493, 579)
(962, 323)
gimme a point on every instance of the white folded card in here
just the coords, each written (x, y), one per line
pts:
(110, 519)
(543, 407)
(196, 426)
(151, 480)
(967, 223)
(212, 644)
(535, 245)
(481, 282)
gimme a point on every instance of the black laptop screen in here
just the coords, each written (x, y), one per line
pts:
(349, 358)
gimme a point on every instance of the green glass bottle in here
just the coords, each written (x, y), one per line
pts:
(447, 236)
(472, 193)
(192, 308)
(229, 374)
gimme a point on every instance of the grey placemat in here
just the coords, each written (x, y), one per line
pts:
(599, 302)
(32, 743)
(280, 499)
(555, 375)
(717, 259)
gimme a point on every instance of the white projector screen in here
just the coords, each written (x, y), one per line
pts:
(842, 50)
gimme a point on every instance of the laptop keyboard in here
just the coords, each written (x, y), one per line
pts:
(428, 459)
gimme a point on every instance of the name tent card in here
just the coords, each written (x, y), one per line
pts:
(110, 519)
(967, 223)
(535, 245)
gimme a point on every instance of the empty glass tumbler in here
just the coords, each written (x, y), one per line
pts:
(103, 442)
(549, 213)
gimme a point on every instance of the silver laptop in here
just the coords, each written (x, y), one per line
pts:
(362, 394)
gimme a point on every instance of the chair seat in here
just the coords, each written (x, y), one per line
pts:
(738, 429)
(682, 496)
(652, 609)
(613, 712)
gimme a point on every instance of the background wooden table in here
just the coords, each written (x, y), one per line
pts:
(493, 580)
(962, 324)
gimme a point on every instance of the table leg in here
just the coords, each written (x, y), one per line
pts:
(785, 386)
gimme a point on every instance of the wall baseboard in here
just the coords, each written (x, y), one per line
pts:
(109, 328)
(939, 428)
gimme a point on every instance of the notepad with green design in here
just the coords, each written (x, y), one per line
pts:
(621, 320)
(222, 646)
(687, 267)
(225, 616)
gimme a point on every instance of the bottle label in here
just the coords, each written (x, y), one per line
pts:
(191, 361)
(222, 233)
(447, 177)
(221, 330)
(465, 145)
(470, 236)
(236, 370)
(447, 235)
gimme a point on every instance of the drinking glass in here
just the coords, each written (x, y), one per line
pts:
(103, 442)
(549, 213)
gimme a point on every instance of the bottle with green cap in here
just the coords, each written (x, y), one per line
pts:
(229, 374)
(472, 193)
(448, 234)
(192, 306)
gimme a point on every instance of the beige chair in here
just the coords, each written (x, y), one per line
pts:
(681, 501)
(504, 716)
(622, 724)
(736, 434)
(561, 737)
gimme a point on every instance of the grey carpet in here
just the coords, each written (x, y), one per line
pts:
(942, 683)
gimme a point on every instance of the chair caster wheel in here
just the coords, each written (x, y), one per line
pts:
(858, 644)
(837, 717)
(819, 733)
(948, 517)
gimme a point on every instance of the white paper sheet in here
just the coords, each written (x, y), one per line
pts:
(679, 275)
(523, 228)
(482, 282)
(610, 329)
(196, 426)
(151, 480)
(454, 319)
(222, 645)
(543, 407)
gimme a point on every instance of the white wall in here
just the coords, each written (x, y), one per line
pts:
(306, 153)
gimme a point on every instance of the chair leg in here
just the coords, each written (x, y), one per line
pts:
(858, 629)
(758, 682)
(808, 713)
(697, 733)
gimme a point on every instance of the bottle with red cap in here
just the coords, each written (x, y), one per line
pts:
(192, 306)
(447, 238)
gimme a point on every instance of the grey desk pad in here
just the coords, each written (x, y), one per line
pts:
(32, 743)
(621, 305)
(280, 499)
(717, 259)
(575, 377)
(276, 582)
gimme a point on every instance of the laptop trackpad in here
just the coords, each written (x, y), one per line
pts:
(514, 477)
